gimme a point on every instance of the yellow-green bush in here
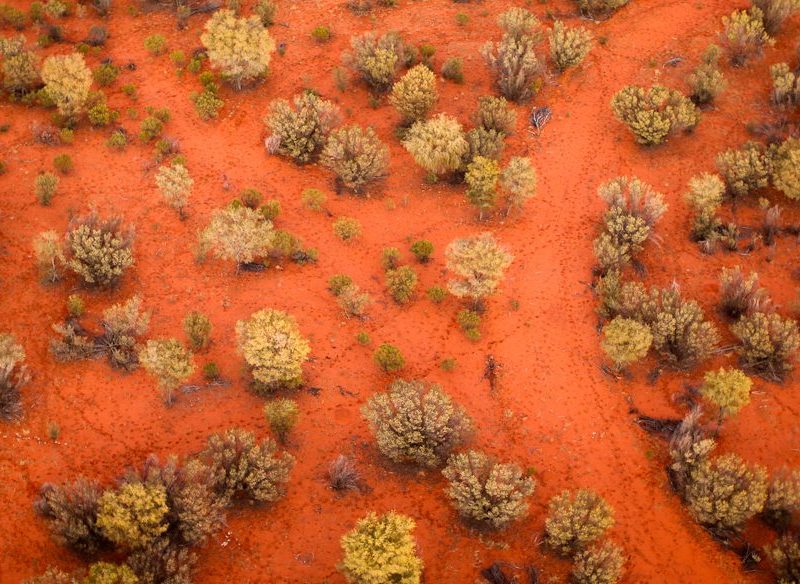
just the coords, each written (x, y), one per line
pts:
(98, 250)
(595, 8)
(281, 415)
(769, 343)
(569, 46)
(175, 184)
(356, 155)
(728, 389)
(785, 85)
(654, 114)
(786, 168)
(238, 233)
(707, 80)
(602, 564)
(744, 35)
(494, 113)
(133, 515)
(169, 362)
(347, 228)
(414, 95)
(746, 169)
(377, 60)
(108, 573)
(481, 179)
(401, 283)
(518, 70)
(20, 72)
(388, 358)
(776, 12)
(479, 263)
(626, 341)
(67, 80)
(197, 327)
(518, 181)
(575, 520)
(705, 198)
(519, 22)
(437, 145)
(303, 130)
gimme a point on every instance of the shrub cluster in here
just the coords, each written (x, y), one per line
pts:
(769, 343)
(98, 250)
(378, 59)
(569, 46)
(576, 520)
(746, 169)
(357, 157)
(479, 263)
(707, 80)
(654, 114)
(301, 132)
(744, 35)
(414, 95)
(438, 145)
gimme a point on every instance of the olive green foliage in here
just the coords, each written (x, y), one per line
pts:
(338, 283)
(150, 128)
(704, 196)
(575, 520)
(241, 468)
(783, 499)
(401, 283)
(486, 491)
(740, 295)
(495, 113)
(689, 447)
(438, 145)
(422, 250)
(728, 389)
(155, 44)
(105, 74)
(381, 549)
(240, 48)
(207, 103)
(470, 322)
(415, 422)
(169, 362)
(626, 341)
(723, 493)
(453, 70)
(518, 182)
(389, 358)
(595, 8)
(265, 10)
(744, 35)
(784, 555)
(63, 163)
(776, 12)
(71, 513)
(483, 142)
(98, 250)
(634, 208)
(313, 199)
(602, 564)
(518, 70)
(123, 324)
(303, 130)
(13, 376)
(414, 95)
(133, 515)
(569, 46)
(390, 258)
(479, 263)
(67, 80)
(239, 233)
(654, 114)
(356, 155)
(746, 169)
(785, 86)
(481, 179)
(20, 68)
(281, 415)
(769, 343)
(197, 327)
(107, 573)
(45, 186)
(707, 81)
(175, 184)
(437, 294)
(786, 168)
(347, 228)
(273, 348)
(378, 59)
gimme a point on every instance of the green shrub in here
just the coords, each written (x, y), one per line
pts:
(265, 10)
(321, 34)
(389, 358)
(479, 263)
(414, 95)
(485, 491)
(381, 549)
(75, 306)
(483, 143)
(347, 228)
(45, 186)
(20, 71)
(155, 44)
(100, 115)
(481, 179)
(401, 283)
(422, 250)
(390, 258)
(281, 415)
(653, 114)
(67, 80)
(727, 389)
(357, 157)
(744, 170)
(107, 573)
(118, 140)
(175, 184)
(313, 199)
(353, 301)
(705, 198)
(786, 168)
(417, 423)
(150, 128)
(569, 46)
(437, 294)
(363, 338)
(105, 74)
(302, 132)
(518, 70)
(169, 362)
(273, 348)
(596, 8)
(494, 113)
(207, 103)
(575, 521)
(602, 564)
(63, 163)
(784, 555)
(377, 60)
(11, 16)
(744, 35)
(133, 515)
(338, 282)
(469, 321)
(240, 234)
(769, 343)
(437, 145)
(99, 250)
(518, 181)
(707, 81)
(71, 513)
(785, 86)
(241, 48)
(626, 341)
(453, 69)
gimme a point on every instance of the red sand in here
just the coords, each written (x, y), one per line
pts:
(555, 411)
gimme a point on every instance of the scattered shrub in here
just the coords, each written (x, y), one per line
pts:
(784, 555)
(240, 48)
(437, 294)
(20, 71)
(175, 184)
(437, 145)
(342, 474)
(162, 561)
(75, 306)
(207, 103)
(67, 80)
(338, 283)
(281, 415)
(653, 114)
(132, 515)
(775, 12)
(150, 128)
(169, 362)
(785, 86)
(469, 321)
(45, 185)
(481, 179)
(321, 34)
(783, 499)
(744, 170)
(99, 250)
(595, 8)
(107, 573)
(415, 422)
(123, 324)
(197, 327)
(768, 343)
(494, 113)
(518, 22)
(705, 197)
(363, 338)
(401, 283)
(485, 143)
(414, 95)
(118, 139)
(453, 70)
(353, 301)
(356, 156)
(576, 520)
(728, 389)
(485, 491)
(389, 358)
(240, 234)
(303, 131)
(347, 228)
(422, 250)
(243, 469)
(71, 513)
(381, 549)
(785, 165)
(744, 35)
(155, 44)
(265, 10)
(569, 46)
(105, 74)
(626, 341)
(740, 295)
(518, 71)
(377, 60)
(723, 493)
(518, 181)
(706, 80)
(602, 564)
(479, 262)
(273, 348)
(13, 376)
(63, 163)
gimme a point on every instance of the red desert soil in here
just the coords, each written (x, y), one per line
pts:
(555, 410)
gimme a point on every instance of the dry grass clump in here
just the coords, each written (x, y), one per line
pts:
(744, 35)
(123, 324)
(707, 80)
(301, 132)
(654, 114)
(98, 250)
(745, 169)
(740, 295)
(769, 344)
(343, 475)
(569, 46)
(357, 157)
(576, 520)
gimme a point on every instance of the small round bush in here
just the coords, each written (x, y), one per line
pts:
(347, 228)
(389, 358)
(422, 250)
(45, 186)
(313, 199)
(63, 163)
(626, 341)
(576, 520)
(281, 415)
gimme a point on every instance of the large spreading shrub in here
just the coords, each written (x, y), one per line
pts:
(485, 491)
(240, 234)
(67, 80)
(416, 423)
(357, 157)
(378, 59)
(437, 145)
(300, 132)
(746, 169)
(98, 250)
(769, 343)
(71, 513)
(169, 362)
(240, 48)
(744, 35)
(574, 521)
(786, 168)
(414, 95)
(479, 263)
(381, 549)
(273, 348)
(133, 515)
(654, 114)
(728, 389)
(13, 376)
(569, 46)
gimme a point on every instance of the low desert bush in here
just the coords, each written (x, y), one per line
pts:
(485, 491)
(437, 294)
(197, 327)
(518, 182)
(13, 376)
(689, 446)
(123, 324)
(740, 295)
(769, 343)
(705, 197)
(378, 59)
(783, 499)
(281, 415)
(71, 513)
(744, 35)
(342, 474)
(338, 283)
(381, 549)
(240, 234)
(273, 348)
(155, 44)
(162, 560)
(389, 358)
(105, 74)
(414, 95)
(518, 70)
(479, 263)
(240, 48)
(785, 86)
(265, 10)
(597, 8)
(313, 199)
(654, 114)
(175, 184)
(133, 515)
(786, 168)
(576, 520)
(482, 142)
(150, 128)
(63, 163)
(569, 46)
(745, 170)
(98, 250)
(602, 564)
(422, 250)
(357, 157)
(321, 33)
(438, 145)
(453, 70)
(45, 186)
(469, 321)
(707, 81)
(481, 180)
(401, 283)
(301, 132)
(20, 71)
(418, 423)
(626, 341)
(67, 80)
(727, 389)
(494, 113)
(784, 555)
(775, 12)
(169, 362)
(347, 228)
(207, 103)
(723, 493)
(241, 468)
